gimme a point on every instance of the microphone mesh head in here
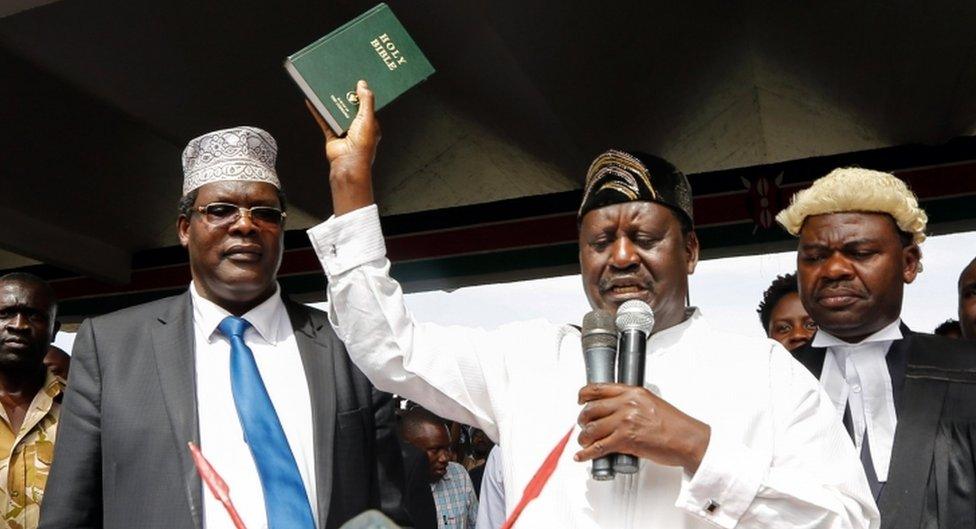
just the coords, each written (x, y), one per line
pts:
(598, 329)
(635, 315)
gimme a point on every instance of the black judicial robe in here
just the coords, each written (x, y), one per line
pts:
(932, 477)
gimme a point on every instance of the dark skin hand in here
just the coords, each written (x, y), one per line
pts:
(351, 156)
(619, 419)
(632, 420)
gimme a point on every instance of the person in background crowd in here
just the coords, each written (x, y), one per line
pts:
(418, 499)
(967, 301)
(260, 383)
(774, 452)
(31, 396)
(491, 495)
(58, 361)
(454, 495)
(782, 315)
(459, 442)
(480, 446)
(907, 399)
(949, 329)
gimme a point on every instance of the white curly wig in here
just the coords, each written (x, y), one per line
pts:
(852, 189)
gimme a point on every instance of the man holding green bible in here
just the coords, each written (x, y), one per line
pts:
(730, 431)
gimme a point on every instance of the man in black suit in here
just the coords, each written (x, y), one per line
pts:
(907, 399)
(260, 383)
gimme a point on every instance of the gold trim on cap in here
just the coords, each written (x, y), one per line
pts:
(621, 164)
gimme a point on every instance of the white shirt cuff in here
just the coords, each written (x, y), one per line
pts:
(725, 484)
(347, 241)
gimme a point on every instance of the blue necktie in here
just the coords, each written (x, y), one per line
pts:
(285, 499)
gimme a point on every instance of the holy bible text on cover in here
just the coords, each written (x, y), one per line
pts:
(373, 46)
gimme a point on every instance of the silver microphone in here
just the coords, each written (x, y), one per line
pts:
(599, 338)
(635, 319)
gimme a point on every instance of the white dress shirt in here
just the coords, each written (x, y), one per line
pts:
(491, 498)
(777, 454)
(857, 374)
(272, 340)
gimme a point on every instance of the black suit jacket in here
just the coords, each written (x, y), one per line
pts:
(121, 458)
(932, 477)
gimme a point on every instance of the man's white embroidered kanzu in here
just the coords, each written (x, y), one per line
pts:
(778, 455)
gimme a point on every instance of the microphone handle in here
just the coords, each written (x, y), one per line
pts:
(633, 346)
(599, 369)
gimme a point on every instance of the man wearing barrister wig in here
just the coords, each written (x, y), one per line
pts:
(730, 431)
(908, 400)
(260, 383)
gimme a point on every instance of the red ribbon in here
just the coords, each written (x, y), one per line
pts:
(215, 483)
(538, 481)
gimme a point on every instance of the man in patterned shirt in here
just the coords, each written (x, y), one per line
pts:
(454, 495)
(31, 396)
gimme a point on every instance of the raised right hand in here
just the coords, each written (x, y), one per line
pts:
(351, 156)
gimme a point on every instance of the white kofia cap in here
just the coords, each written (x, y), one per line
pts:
(240, 153)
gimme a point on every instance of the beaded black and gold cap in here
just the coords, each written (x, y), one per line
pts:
(616, 176)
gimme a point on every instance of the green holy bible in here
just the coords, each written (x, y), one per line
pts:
(373, 46)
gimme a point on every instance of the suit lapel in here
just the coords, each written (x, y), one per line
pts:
(315, 351)
(173, 348)
(911, 455)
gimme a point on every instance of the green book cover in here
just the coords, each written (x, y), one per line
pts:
(373, 46)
